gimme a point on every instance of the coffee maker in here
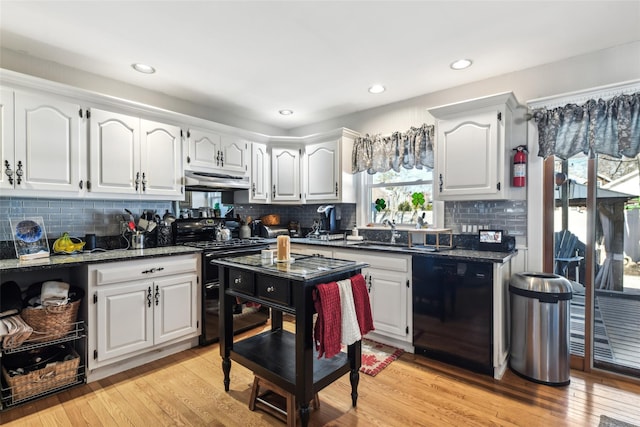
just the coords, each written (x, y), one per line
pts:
(328, 221)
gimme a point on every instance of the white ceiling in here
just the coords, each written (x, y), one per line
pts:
(253, 58)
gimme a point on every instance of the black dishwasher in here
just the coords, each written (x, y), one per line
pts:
(453, 312)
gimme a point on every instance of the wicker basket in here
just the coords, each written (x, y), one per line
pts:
(271, 219)
(51, 322)
(42, 380)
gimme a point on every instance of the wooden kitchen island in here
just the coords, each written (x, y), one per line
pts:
(286, 359)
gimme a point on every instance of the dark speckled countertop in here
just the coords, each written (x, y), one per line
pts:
(63, 261)
(459, 254)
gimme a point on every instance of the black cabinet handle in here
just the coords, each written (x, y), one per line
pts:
(149, 297)
(157, 295)
(144, 182)
(440, 182)
(274, 191)
(8, 171)
(137, 181)
(19, 173)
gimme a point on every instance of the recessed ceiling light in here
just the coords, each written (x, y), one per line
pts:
(377, 89)
(461, 64)
(143, 68)
(286, 112)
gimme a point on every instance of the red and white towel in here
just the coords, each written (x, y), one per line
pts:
(350, 329)
(344, 314)
(327, 330)
(362, 304)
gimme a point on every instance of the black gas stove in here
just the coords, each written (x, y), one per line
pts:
(227, 244)
(201, 233)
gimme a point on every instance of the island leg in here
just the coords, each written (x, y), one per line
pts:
(304, 415)
(354, 352)
(226, 369)
(354, 378)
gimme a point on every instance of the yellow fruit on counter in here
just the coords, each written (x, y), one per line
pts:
(65, 244)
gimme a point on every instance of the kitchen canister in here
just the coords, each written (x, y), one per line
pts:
(164, 235)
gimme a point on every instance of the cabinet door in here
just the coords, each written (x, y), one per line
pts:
(321, 171)
(161, 161)
(260, 173)
(175, 307)
(114, 153)
(124, 319)
(388, 295)
(233, 155)
(467, 153)
(285, 174)
(47, 143)
(204, 149)
(388, 290)
(7, 177)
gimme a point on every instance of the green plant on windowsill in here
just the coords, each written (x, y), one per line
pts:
(402, 208)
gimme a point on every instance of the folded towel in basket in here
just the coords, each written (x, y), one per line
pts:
(54, 293)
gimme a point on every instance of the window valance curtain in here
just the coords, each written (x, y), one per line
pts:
(413, 148)
(609, 127)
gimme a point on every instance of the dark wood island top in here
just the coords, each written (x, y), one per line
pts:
(286, 359)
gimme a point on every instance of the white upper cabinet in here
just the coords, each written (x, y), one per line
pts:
(233, 155)
(7, 178)
(161, 161)
(209, 151)
(114, 152)
(321, 171)
(203, 150)
(285, 174)
(260, 174)
(474, 148)
(129, 155)
(41, 144)
(326, 170)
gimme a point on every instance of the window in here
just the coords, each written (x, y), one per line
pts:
(402, 196)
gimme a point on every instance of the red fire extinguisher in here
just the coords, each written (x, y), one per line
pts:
(520, 166)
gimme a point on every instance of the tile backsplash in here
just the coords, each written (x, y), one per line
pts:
(102, 217)
(508, 215)
(77, 217)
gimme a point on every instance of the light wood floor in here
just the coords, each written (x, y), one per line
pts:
(186, 389)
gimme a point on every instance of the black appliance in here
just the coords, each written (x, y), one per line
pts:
(453, 312)
(200, 233)
(328, 220)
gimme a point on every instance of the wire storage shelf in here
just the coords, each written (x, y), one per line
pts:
(44, 380)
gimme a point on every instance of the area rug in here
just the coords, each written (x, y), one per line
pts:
(612, 422)
(377, 356)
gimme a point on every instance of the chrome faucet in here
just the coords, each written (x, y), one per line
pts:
(394, 233)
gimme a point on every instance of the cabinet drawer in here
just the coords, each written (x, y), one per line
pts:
(241, 281)
(126, 271)
(274, 289)
(391, 262)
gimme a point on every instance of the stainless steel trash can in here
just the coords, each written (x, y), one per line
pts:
(540, 322)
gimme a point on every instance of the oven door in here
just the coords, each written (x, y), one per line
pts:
(244, 317)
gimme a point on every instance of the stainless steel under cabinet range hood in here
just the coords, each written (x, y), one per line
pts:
(209, 181)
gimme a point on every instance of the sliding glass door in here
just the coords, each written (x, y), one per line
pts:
(605, 308)
(616, 295)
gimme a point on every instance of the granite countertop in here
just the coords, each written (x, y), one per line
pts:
(61, 261)
(443, 252)
(302, 267)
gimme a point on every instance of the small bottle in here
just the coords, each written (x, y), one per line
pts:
(245, 231)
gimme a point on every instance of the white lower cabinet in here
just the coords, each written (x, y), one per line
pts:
(389, 283)
(141, 306)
